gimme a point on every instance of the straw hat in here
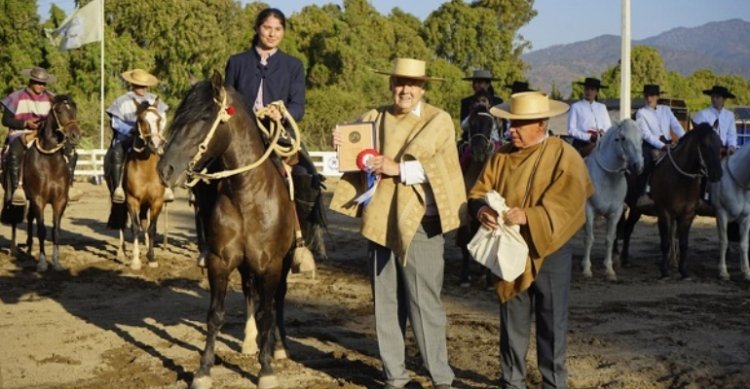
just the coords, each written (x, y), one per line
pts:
(481, 74)
(529, 105)
(39, 74)
(139, 77)
(408, 68)
(719, 90)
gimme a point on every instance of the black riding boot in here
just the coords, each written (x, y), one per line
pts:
(118, 163)
(15, 156)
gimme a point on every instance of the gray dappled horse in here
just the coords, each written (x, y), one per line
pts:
(731, 200)
(616, 153)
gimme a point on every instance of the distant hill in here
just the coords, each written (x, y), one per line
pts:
(723, 47)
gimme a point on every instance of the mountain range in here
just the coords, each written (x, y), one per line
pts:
(723, 47)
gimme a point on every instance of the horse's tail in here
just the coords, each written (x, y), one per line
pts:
(11, 214)
(118, 216)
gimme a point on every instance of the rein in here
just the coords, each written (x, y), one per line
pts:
(273, 134)
(60, 128)
(702, 173)
(620, 170)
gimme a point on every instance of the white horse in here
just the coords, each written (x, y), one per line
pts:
(618, 151)
(731, 200)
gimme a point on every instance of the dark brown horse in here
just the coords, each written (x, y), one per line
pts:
(477, 150)
(144, 191)
(676, 190)
(45, 179)
(251, 224)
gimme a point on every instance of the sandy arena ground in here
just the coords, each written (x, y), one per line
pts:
(99, 324)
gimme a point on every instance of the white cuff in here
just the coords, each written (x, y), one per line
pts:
(412, 173)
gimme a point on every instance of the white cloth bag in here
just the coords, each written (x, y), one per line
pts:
(503, 250)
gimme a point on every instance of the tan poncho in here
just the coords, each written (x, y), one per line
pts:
(556, 205)
(394, 213)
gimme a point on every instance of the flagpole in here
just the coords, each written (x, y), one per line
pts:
(101, 84)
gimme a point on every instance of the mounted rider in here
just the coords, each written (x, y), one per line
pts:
(588, 119)
(123, 115)
(722, 120)
(25, 111)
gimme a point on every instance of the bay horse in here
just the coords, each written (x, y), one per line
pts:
(144, 191)
(251, 226)
(676, 191)
(45, 179)
(618, 151)
(730, 198)
(474, 153)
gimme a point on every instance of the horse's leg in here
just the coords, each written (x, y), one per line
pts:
(588, 240)
(630, 223)
(41, 234)
(612, 220)
(665, 236)
(121, 246)
(29, 229)
(744, 246)
(13, 245)
(135, 225)
(267, 288)
(721, 226)
(153, 213)
(218, 276)
(57, 212)
(250, 342)
(280, 346)
(683, 233)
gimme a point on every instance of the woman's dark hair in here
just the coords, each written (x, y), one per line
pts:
(262, 16)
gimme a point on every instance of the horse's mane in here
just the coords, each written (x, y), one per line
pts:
(197, 105)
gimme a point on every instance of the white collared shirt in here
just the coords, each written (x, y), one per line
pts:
(656, 122)
(723, 123)
(587, 116)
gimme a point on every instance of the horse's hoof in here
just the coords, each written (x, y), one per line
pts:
(57, 267)
(588, 274)
(153, 264)
(201, 261)
(268, 382)
(664, 278)
(135, 265)
(41, 267)
(686, 278)
(611, 277)
(465, 284)
(203, 382)
(280, 354)
(747, 276)
(250, 348)
(725, 276)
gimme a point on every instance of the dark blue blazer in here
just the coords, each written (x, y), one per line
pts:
(284, 79)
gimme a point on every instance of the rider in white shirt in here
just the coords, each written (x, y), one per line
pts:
(588, 119)
(722, 120)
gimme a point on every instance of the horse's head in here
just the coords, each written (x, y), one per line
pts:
(481, 124)
(63, 123)
(709, 150)
(199, 132)
(627, 136)
(150, 124)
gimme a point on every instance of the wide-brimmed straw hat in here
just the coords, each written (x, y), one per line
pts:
(529, 105)
(592, 83)
(719, 90)
(408, 68)
(39, 74)
(139, 77)
(652, 89)
(481, 74)
(519, 86)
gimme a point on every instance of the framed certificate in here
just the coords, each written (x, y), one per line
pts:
(355, 137)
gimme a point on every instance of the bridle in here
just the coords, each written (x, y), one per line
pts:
(619, 138)
(273, 134)
(146, 136)
(61, 128)
(702, 172)
(489, 145)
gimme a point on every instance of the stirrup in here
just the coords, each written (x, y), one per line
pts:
(118, 196)
(19, 197)
(168, 195)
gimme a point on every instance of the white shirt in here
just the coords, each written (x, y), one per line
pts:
(726, 126)
(585, 116)
(656, 122)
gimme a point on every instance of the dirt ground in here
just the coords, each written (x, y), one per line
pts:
(98, 324)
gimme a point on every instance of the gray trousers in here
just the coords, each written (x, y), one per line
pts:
(548, 299)
(413, 292)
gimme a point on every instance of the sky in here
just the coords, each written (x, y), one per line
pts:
(557, 21)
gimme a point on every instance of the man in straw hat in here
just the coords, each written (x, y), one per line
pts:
(419, 196)
(721, 119)
(588, 118)
(123, 115)
(657, 123)
(545, 184)
(26, 110)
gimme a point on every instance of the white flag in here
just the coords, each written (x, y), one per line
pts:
(81, 27)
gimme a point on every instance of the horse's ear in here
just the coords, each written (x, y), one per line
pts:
(217, 82)
(192, 79)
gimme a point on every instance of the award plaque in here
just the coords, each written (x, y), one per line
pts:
(355, 138)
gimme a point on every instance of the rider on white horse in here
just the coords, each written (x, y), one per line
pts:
(588, 119)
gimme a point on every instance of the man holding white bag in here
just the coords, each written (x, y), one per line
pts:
(545, 185)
